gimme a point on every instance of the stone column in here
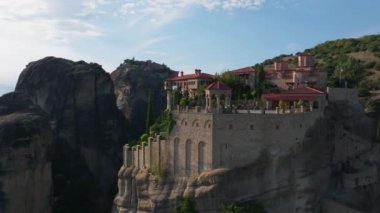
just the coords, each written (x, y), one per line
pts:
(169, 99)
(311, 105)
(137, 164)
(143, 145)
(267, 104)
(217, 103)
(150, 148)
(207, 103)
(126, 156)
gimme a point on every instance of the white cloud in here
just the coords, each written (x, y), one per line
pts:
(32, 29)
(248, 4)
(161, 12)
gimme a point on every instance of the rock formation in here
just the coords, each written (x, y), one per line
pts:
(88, 130)
(25, 156)
(335, 170)
(134, 82)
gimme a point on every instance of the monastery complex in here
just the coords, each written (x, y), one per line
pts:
(225, 136)
(219, 134)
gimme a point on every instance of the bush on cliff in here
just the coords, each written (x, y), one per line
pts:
(246, 207)
(163, 124)
(185, 205)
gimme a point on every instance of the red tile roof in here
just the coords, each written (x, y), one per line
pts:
(191, 76)
(303, 90)
(244, 70)
(217, 85)
(303, 93)
(283, 97)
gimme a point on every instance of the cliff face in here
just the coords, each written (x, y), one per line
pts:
(25, 156)
(88, 130)
(134, 82)
(334, 170)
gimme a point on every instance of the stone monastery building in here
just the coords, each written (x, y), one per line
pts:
(219, 136)
(209, 137)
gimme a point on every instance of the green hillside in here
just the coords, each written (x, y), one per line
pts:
(356, 61)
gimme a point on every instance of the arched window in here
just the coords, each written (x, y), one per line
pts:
(195, 123)
(207, 124)
(176, 156)
(201, 156)
(184, 122)
(188, 157)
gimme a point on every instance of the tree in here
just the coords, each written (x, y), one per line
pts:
(259, 81)
(177, 96)
(185, 205)
(200, 93)
(149, 113)
(349, 70)
(246, 207)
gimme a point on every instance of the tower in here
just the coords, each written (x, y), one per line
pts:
(305, 60)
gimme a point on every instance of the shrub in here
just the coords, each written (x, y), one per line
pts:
(377, 65)
(164, 123)
(185, 205)
(246, 207)
(144, 137)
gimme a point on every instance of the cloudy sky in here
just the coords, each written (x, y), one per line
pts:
(213, 35)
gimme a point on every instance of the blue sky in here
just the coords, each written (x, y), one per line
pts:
(213, 35)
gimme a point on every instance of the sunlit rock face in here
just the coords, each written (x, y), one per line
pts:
(88, 130)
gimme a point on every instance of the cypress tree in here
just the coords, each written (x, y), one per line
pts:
(260, 80)
(149, 114)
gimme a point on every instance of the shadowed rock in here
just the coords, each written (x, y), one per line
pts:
(25, 158)
(134, 81)
(88, 130)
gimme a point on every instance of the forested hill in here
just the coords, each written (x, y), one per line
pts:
(355, 60)
(359, 59)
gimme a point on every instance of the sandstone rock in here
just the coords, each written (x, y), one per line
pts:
(134, 81)
(88, 130)
(25, 156)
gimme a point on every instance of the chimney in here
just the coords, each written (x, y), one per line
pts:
(181, 73)
(197, 72)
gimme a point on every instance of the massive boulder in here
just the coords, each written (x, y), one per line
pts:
(134, 82)
(25, 156)
(88, 130)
